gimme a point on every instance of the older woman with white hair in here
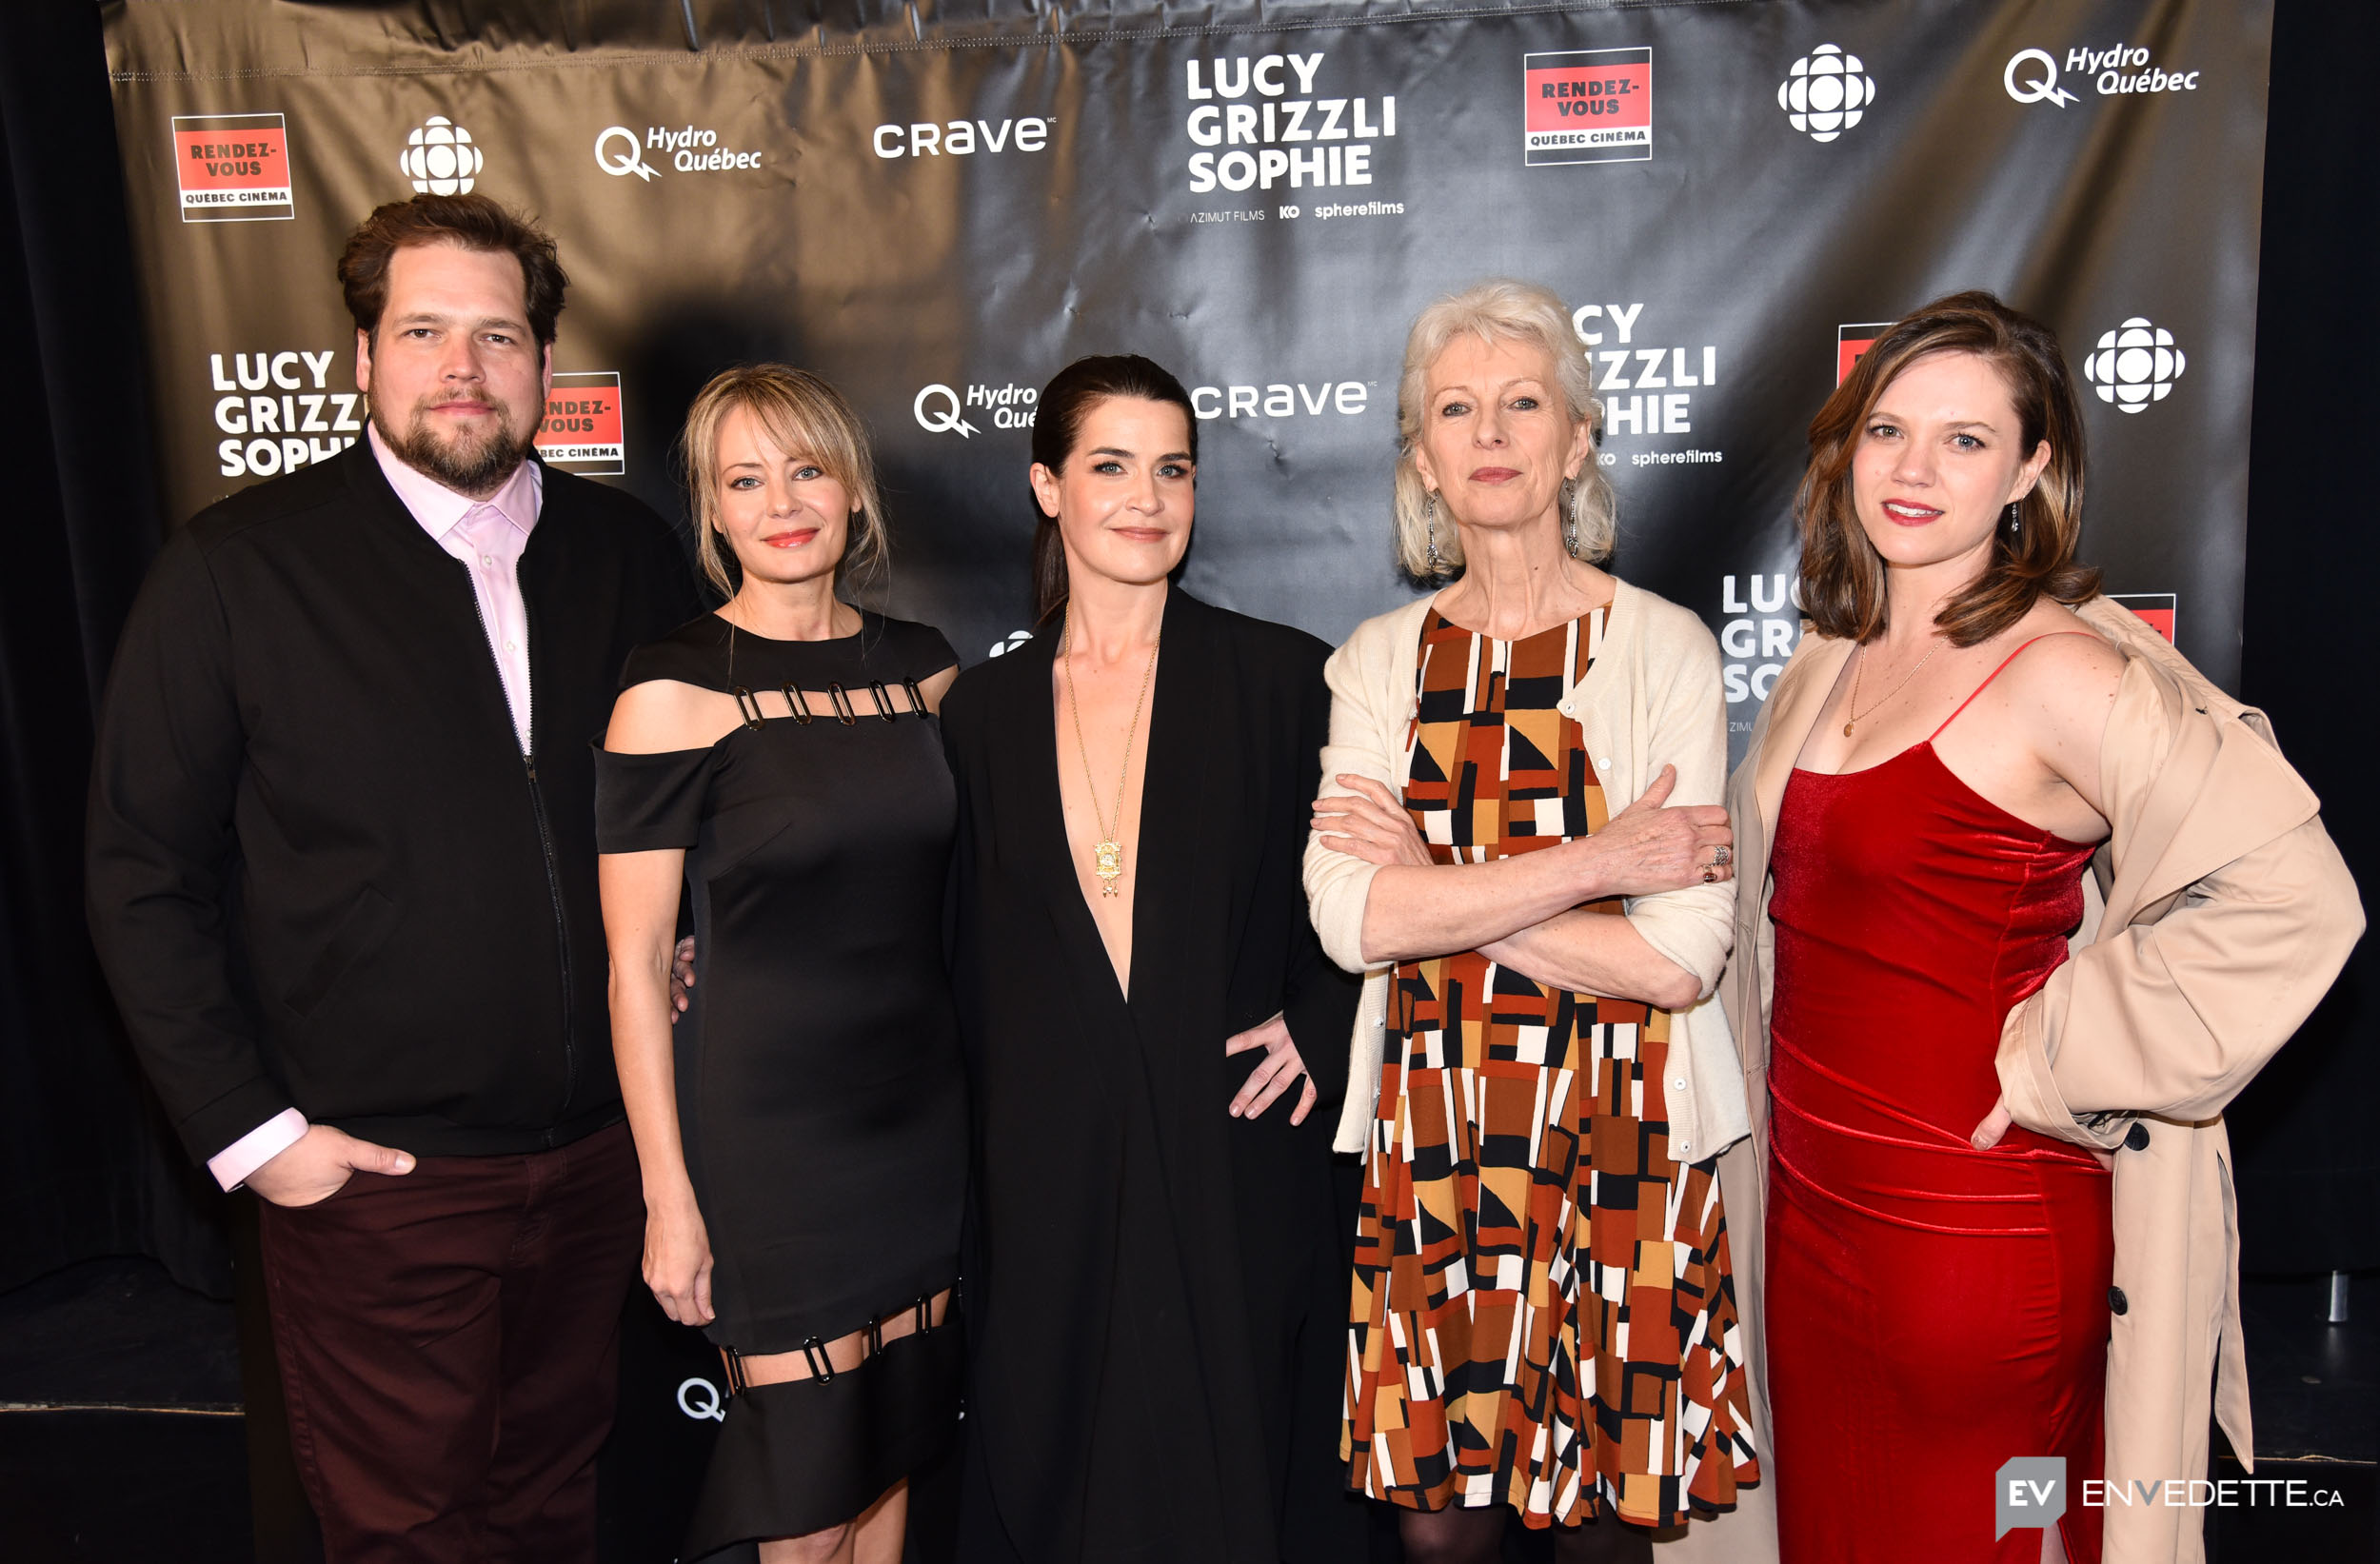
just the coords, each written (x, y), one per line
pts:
(1527, 858)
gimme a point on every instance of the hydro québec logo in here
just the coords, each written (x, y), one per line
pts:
(1825, 92)
(1273, 126)
(689, 149)
(2032, 74)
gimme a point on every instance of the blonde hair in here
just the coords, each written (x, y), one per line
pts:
(1499, 309)
(804, 416)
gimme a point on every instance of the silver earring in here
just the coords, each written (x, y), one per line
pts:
(2012, 520)
(1429, 512)
(1570, 516)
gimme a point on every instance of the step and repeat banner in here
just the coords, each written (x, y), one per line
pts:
(937, 206)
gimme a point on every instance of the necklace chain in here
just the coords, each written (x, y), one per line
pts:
(1862, 666)
(1107, 855)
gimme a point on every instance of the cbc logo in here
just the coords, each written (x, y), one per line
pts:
(2135, 364)
(440, 158)
(1825, 92)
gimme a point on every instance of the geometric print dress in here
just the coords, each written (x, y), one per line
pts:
(1543, 1314)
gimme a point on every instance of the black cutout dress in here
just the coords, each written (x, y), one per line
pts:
(820, 1099)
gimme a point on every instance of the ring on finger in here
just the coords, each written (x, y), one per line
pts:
(1721, 856)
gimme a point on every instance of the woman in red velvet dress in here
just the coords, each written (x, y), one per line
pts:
(1937, 1286)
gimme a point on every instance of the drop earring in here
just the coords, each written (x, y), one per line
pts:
(2013, 521)
(1429, 512)
(1570, 517)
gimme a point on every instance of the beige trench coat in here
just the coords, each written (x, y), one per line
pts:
(2218, 913)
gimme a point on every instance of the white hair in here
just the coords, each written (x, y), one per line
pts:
(1499, 310)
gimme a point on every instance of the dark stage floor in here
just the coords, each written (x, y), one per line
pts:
(120, 1439)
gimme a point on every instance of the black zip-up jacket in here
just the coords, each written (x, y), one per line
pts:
(322, 873)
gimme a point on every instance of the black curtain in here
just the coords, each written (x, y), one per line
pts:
(2308, 1150)
(87, 1165)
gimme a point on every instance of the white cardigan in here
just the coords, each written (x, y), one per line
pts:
(1651, 700)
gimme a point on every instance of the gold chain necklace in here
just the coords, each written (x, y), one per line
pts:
(1862, 666)
(1107, 855)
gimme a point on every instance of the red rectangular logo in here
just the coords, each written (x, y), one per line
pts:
(2155, 609)
(1587, 106)
(583, 431)
(1852, 341)
(233, 167)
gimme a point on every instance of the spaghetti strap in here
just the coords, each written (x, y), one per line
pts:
(1995, 674)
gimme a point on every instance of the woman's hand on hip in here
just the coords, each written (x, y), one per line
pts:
(1279, 1069)
(678, 1260)
(1369, 823)
(1648, 848)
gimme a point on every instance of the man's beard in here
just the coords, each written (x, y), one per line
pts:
(477, 464)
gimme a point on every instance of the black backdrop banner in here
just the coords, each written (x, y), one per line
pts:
(937, 205)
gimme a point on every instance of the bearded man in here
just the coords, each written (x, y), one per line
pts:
(342, 877)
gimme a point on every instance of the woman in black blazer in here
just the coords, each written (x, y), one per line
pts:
(1157, 1268)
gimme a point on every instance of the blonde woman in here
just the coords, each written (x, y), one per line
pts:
(804, 1142)
(1528, 856)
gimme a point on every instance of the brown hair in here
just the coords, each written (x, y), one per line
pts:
(1842, 576)
(805, 417)
(1058, 424)
(472, 222)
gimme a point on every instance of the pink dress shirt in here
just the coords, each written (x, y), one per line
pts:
(487, 536)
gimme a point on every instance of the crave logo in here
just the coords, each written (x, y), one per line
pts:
(1271, 125)
(1587, 106)
(1852, 341)
(582, 431)
(233, 167)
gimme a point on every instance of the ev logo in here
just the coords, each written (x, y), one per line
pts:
(2027, 1490)
(440, 158)
(2135, 364)
(943, 420)
(1825, 92)
(2041, 79)
(1016, 639)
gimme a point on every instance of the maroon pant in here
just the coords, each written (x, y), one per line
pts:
(449, 1341)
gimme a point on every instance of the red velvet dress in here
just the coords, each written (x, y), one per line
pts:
(1932, 1310)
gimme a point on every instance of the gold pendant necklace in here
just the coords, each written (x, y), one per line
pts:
(1862, 666)
(1107, 854)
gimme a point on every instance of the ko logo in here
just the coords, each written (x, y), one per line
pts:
(699, 1398)
(2041, 82)
(620, 163)
(2134, 364)
(440, 158)
(942, 419)
(1825, 92)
